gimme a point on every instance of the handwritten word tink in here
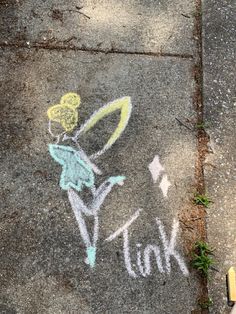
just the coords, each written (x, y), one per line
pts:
(143, 259)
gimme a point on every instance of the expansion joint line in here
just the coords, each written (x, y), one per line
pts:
(61, 46)
(202, 139)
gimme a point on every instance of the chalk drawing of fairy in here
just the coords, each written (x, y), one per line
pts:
(78, 169)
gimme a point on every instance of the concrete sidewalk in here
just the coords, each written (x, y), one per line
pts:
(102, 51)
(219, 36)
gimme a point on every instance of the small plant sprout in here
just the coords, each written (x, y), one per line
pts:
(202, 257)
(202, 200)
(205, 304)
(200, 126)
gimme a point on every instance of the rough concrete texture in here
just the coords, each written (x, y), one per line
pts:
(42, 255)
(136, 26)
(219, 35)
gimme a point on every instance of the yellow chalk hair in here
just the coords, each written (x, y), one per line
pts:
(65, 113)
(71, 99)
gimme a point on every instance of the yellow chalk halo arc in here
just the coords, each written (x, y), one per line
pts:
(124, 105)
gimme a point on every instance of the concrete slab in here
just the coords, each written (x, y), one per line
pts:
(132, 26)
(42, 254)
(220, 115)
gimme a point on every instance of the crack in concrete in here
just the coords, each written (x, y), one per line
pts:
(202, 144)
(194, 216)
(58, 46)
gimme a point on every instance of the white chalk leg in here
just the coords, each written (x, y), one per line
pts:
(95, 230)
(78, 215)
(80, 208)
(99, 196)
(78, 203)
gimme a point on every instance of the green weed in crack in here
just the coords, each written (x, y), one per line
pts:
(206, 304)
(203, 259)
(202, 200)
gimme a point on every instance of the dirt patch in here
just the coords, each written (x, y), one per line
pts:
(193, 217)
